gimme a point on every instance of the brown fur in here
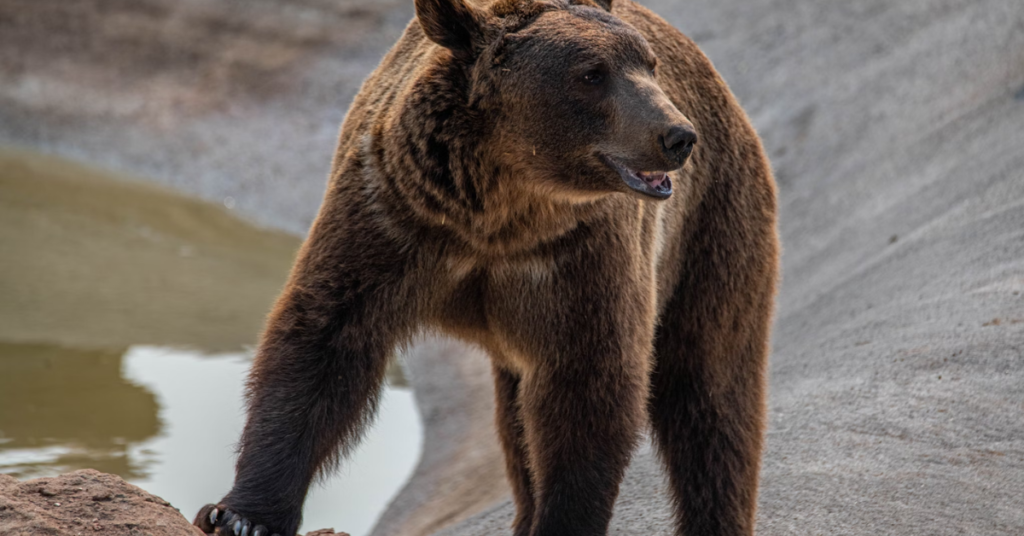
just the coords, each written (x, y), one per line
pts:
(465, 197)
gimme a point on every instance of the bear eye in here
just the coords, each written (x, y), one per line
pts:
(593, 77)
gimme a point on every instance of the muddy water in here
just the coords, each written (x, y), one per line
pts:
(126, 314)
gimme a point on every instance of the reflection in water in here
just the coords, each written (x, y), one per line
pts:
(63, 409)
(167, 420)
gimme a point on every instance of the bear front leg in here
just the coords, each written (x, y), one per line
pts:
(317, 375)
(583, 416)
(708, 424)
(707, 405)
(579, 338)
(307, 399)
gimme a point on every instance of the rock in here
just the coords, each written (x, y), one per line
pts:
(91, 502)
(326, 532)
(85, 502)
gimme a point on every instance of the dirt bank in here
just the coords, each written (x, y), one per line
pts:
(219, 99)
(85, 502)
(90, 502)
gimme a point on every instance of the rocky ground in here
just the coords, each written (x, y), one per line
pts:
(85, 502)
(897, 134)
(90, 502)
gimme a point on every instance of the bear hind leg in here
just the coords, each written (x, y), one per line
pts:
(513, 442)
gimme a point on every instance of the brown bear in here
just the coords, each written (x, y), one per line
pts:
(526, 176)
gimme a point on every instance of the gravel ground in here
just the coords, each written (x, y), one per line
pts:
(896, 130)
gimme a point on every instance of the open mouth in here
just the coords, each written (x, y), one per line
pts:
(655, 184)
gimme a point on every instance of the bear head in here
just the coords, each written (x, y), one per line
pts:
(568, 91)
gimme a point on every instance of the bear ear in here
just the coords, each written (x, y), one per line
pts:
(452, 24)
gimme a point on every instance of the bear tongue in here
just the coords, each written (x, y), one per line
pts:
(653, 178)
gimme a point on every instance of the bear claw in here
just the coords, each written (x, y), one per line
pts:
(215, 519)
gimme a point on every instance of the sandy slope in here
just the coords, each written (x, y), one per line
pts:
(897, 133)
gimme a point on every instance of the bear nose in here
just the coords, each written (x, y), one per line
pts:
(678, 142)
